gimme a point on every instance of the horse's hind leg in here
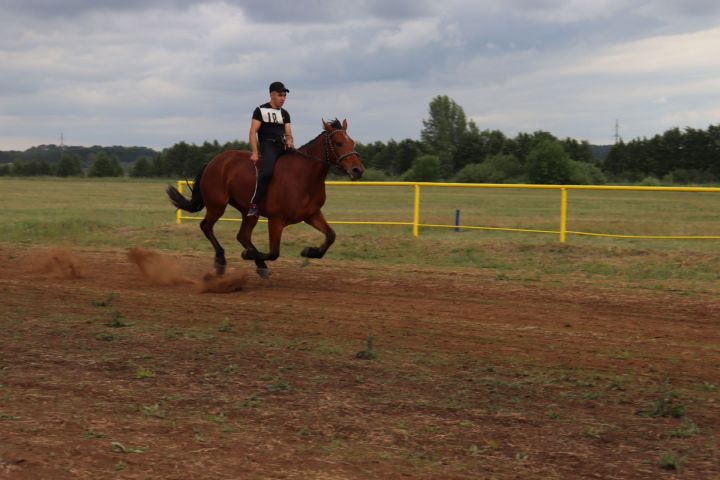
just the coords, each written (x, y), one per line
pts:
(211, 217)
(318, 222)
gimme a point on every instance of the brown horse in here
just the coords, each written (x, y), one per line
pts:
(295, 194)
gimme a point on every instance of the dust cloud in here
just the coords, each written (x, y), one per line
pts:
(231, 282)
(161, 269)
(157, 268)
(57, 262)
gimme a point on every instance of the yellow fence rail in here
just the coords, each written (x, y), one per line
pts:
(562, 232)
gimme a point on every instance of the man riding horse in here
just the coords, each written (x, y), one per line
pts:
(270, 127)
(293, 194)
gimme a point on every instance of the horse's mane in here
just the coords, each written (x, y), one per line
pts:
(334, 124)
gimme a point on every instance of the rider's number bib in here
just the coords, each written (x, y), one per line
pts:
(271, 115)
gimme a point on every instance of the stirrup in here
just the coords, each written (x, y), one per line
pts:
(253, 211)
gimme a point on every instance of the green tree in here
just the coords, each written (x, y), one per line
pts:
(118, 170)
(470, 148)
(69, 166)
(209, 150)
(520, 146)
(159, 166)
(176, 158)
(548, 163)
(236, 145)
(578, 151)
(195, 160)
(494, 142)
(25, 168)
(367, 151)
(44, 168)
(443, 130)
(407, 151)
(384, 158)
(105, 166)
(142, 168)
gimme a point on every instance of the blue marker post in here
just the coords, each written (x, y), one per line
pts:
(457, 220)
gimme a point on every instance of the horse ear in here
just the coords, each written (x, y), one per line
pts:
(326, 125)
(345, 124)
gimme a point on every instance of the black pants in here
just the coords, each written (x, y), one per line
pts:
(270, 150)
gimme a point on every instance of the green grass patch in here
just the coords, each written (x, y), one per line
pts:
(119, 213)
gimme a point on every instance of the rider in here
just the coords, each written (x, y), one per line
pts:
(270, 127)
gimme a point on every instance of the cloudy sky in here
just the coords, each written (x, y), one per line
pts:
(152, 73)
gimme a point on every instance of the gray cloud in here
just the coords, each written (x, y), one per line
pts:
(159, 72)
(321, 11)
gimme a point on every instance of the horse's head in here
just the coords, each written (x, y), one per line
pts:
(343, 148)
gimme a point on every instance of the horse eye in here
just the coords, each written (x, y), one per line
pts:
(338, 144)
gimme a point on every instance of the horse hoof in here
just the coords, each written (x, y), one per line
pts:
(264, 273)
(310, 252)
(219, 269)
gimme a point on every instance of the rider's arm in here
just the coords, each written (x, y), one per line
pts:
(289, 136)
(254, 126)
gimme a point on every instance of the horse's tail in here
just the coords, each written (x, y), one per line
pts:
(196, 203)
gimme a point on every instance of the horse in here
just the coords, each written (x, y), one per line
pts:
(296, 193)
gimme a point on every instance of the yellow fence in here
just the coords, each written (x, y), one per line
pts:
(562, 232)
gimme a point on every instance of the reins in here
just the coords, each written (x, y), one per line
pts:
(328, 147)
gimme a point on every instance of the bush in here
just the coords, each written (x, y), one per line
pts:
(583, 173)
(426, 168)
(689, 176)
(471, 173)
(650, 181)
(374, 175)
(495, 169)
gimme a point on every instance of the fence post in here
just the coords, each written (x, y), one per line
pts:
(416, 212)
(178, 212)
(563, 213)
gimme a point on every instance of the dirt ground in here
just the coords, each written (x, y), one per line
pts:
(108, 370)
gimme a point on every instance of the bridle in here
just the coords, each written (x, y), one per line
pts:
(329, 147)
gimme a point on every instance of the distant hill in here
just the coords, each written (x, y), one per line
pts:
(601, 151)
(51, 153)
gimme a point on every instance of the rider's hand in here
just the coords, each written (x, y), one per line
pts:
(254, 157)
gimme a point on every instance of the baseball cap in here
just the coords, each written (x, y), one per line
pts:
(278, 87)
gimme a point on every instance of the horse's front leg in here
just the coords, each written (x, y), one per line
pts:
(275, 228)
(244, 236)
(319, 223)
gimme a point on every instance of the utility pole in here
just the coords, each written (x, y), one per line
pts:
(617, 132)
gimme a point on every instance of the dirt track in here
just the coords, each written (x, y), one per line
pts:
(476, 377)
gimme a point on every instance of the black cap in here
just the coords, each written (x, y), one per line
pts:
(278, 87)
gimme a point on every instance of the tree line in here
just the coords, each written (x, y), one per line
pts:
(182, 159)
(451, 148)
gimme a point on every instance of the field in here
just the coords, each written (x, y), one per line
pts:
(451, 356)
